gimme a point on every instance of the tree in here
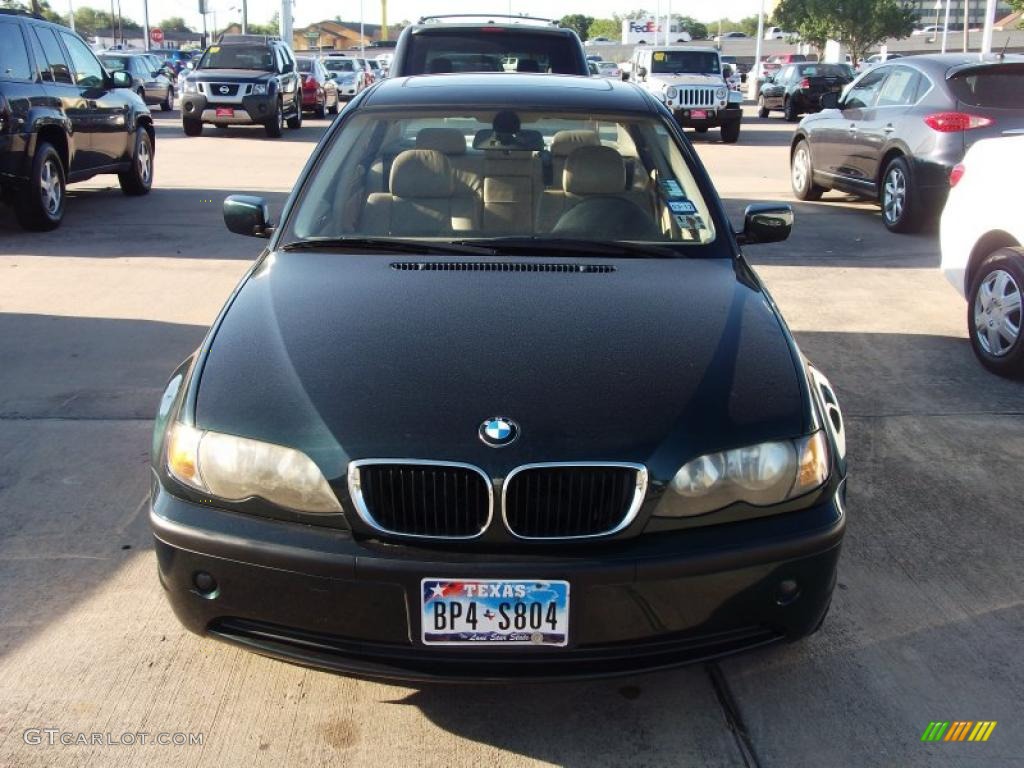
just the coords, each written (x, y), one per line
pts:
(697, 30)
(858, 25)
(174, 24)
(609, 28)
(40, 7)
(273, 28)
(578, 22)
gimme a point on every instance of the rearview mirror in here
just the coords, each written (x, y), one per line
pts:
(766, 223)
(829, 101)
(247, 215)
(121, 79)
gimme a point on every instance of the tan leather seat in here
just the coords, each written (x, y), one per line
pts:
(590, 171)
(421, 201)
(512, 183)
(563, 143)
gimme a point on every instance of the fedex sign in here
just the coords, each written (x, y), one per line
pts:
(650, 29)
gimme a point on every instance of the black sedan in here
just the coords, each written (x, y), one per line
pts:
(898, 130)
(501, 398)
(796, 89)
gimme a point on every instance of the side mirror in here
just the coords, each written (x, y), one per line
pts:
(726, 71)
(829, 101)
(247, 215)
(121, 79)
(288, 67)
(766, 223)
(641, 72)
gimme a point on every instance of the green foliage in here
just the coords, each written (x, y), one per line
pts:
(697, 30)
(42, 7)
(609, 28)
(273, 28)
(578, 22)
(858, 25)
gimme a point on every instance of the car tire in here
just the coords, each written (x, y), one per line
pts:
(275, 125)
(901, 208)
(192, 127)
(138, 179)
(730, 132)
(762, 110)
(801, 173)
(295, 122)
(994, 312)
(168, 103)
(790, 111)
(41, 207)
(334, 110)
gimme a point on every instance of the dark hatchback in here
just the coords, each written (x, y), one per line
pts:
(469, 416)
(898, 130)
(796, 89)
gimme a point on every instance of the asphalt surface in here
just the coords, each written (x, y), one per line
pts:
(927, 622)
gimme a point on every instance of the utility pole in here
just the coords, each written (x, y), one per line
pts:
(945, 26)
(145, 23)
(113, 25)
(753, 86)
(990, 21)
(384, 18)
(245, 17)
(286, 22)
(71, 15)
(967, 7)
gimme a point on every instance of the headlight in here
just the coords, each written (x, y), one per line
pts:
(187, 86)
(762, 475)
(259, 89)
(671, 92)
(238, 468)
(721, 93)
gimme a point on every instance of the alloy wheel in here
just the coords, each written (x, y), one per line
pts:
(801, 167)
(894, 195)
(997, 312)
(50, 187)
(144, 159)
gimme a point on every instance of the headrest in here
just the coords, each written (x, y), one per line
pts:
(564, 142)
(447, 141)
(421, 173)
(594, 171)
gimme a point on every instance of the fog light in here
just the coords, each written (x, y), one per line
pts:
(205, 584)
(787, 592)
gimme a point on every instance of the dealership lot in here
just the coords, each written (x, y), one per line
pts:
(927, 621)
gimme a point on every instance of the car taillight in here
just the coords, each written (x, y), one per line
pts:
(805, 83)
(956, 174)
(955, 122)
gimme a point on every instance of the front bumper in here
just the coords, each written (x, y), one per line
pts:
(319, 597)
(253, 110)
(713, 118)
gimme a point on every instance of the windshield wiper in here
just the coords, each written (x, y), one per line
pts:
(387, 244)
(555, 245)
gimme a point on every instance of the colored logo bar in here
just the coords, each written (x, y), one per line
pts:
(958, 730)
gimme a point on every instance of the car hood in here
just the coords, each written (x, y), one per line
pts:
(229, 75)
(686, 79)
(350, 357)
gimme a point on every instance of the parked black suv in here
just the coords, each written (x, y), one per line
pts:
(434, 46)
(243, 80)
(64, 118)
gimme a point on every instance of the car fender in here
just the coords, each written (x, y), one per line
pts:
(43, 117)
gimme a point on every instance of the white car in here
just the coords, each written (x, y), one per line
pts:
(608, 69)
(934, 29)
(777, 33)
(981, 234)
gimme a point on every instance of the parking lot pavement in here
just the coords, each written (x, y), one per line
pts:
(927, 622)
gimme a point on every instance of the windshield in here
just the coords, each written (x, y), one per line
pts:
(238, 57)
(500, 51)
(436, 175)
(115, 63)
(339, 65)
(688, 62)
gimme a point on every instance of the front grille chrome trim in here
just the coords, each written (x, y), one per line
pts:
(639, 494)
(356, 494)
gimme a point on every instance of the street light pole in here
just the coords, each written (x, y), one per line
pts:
(145, 23)
(990, 21)
(945, 27)
(245, 17)
(753, 87)
(967, 8)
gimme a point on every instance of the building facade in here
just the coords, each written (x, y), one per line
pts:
(927, 14)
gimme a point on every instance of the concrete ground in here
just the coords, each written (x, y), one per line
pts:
(927, 622)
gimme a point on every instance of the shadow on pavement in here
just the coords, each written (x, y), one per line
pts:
(168, 126)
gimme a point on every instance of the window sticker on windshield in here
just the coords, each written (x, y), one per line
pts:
(681, 206)
(659, 55)
(693, 222)
(214, 49)
(670, 188)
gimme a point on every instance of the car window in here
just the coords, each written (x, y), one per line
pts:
(88, 70)
(468, 50)
(114, 63)
(864, 92)
(702, 62)
(340, 65)
(57, 69)
(999, 86)
(304, 65)
(258, 57)
(824, 70)
(900, 88)
(422, 173)
(13, 54)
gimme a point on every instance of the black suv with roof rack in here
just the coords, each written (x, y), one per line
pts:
(243, 80)
(478, 43)
(48, 137)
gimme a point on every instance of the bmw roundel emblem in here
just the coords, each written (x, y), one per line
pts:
(499, 431)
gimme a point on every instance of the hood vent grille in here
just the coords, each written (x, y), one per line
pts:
(498, 266)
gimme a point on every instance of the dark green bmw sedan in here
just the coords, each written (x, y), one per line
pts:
(500, 399)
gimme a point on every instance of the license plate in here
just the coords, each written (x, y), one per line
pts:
(699, 114)
(494, 612)
(225, 112)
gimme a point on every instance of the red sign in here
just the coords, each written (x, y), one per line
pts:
(156, 35)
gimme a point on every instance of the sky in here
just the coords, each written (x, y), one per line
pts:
(309, 11)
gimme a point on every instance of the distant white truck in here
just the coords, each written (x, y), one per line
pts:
(690, 81)
(649, 30)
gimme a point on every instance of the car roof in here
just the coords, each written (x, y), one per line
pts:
(539, 91)
(532, 29)
(945, 65)
(698, 48)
